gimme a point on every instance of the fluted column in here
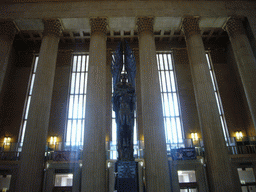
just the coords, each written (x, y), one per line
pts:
(157, 170)
(49, 180)
(246, 61)
(76, 178)
(32, 158)
(7, 33)
(218, 161)
(94, 155)
(139, 125)
(108, 98)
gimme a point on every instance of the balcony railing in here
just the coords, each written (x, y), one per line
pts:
(10, 151)
(244, 145)
(70, 152)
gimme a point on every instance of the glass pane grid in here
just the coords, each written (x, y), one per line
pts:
(170, 101)
(77, 100)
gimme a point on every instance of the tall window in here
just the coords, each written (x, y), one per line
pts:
(170, 103)
(77, 100)
(217, 96)
(28, 99)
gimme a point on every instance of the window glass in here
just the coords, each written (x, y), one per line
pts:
(5, 181)
(188, 190)
(170, 102)
(246, 175)
(187, 176)
(64, 180)
(77, 100)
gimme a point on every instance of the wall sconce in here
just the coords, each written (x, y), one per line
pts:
(239, 135)
(194, 136)
(7, 140)
(53, 140)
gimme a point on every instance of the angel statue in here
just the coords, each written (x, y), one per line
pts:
(124, 100)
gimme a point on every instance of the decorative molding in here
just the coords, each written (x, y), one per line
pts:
(190, 26)
(99, 26)
(234, 26)
(52, 27)
(145, 24)
(8, 28)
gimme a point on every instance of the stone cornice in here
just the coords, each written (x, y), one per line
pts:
(85, 9)
(52, 27)
(190, 26)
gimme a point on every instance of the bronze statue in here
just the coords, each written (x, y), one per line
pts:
(124, 100)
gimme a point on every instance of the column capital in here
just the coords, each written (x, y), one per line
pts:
(8, 28)
(52, 27)
(145, 24)
(234, 26)
(99, 25)
(190, 26)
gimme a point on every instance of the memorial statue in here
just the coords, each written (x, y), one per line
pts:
(124, 100)
(123, 72)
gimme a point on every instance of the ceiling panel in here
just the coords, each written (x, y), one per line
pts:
(30, 24)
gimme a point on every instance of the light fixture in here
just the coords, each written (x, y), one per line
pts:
(239, 135)
(53, 140)
(7, 140)
(194, 136)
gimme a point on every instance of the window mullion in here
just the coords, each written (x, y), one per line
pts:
(78, 98)
(72, 95)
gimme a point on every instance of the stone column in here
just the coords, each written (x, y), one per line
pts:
(7, 33)
(217, 158)
(108, 99)
(245, 61)
(49, 180)
(140, 135)
(32, 158)
(94, 154)
(76, 178)
(157, 171)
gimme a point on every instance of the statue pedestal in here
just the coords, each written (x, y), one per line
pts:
(126, 176)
